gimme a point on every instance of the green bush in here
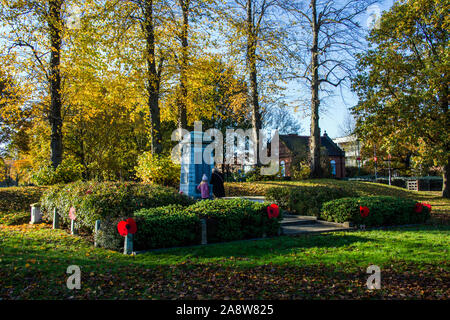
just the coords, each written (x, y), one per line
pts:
(100, 200)
(235, 219)
(301, 170)
(68, 171)
(305, 200)
(239, 189)
(164, 227)
(108, 237)
(255, 175)
(384, 210)
(158, 169)
(175, 225)
(14, 199)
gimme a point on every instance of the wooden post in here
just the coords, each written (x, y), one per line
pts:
(73, 231)
(204, 232)
(128, 246)
(97, 227)
(55, 219)
(36, 216)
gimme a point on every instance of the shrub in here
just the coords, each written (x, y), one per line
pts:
(68, 171)
(15, 204)
(108, 237)
(158, 169)
(235, 219)
(305, 200)
(13, 199)
(300, 170)
(351, 172)
(255, 175)
(383, 210)
(238, 189)
(100, 200)
(176, 225)
(164, 227)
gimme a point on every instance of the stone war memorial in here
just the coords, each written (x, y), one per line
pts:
(194, 164)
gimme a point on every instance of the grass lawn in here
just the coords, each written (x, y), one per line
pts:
(414, 263)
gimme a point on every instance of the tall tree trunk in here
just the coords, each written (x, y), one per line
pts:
(55, 25)
(444, 106)
(253, 78)
(182, 113)
(445, 176)
(153, 79)
(314, 144)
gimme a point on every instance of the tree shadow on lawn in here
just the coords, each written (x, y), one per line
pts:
(260, 248)
(332, 246)
(248, 249)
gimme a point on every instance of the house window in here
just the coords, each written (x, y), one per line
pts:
(283, 168)
(333, 167)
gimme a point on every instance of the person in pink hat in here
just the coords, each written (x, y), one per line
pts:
(203, 187)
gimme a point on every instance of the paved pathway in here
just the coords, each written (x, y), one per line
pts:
(293, 224)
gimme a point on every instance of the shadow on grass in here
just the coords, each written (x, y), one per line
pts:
(325, 243)
(260, 248)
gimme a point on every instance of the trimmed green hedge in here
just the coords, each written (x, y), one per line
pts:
(175, 225)
(164, 227)
(235, 219)
(384, 210)
(305, 200)
(15, 203)
(19, 199)
(101, 200)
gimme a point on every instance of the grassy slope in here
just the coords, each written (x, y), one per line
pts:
(414, 263)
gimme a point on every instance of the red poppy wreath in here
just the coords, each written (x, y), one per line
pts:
(127, 227)
(273, 211)
(364, 211)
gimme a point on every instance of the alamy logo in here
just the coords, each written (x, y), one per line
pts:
(242, 147)
(74, 280)
(374, 16)
(374, 280)
(74, 17)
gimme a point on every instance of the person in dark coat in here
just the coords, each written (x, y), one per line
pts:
(217, 182)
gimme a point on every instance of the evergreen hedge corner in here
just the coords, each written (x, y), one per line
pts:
(383, 210)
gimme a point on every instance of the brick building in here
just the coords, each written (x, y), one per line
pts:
(292, 144)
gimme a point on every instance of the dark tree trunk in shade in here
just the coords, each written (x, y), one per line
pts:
(153, 79)
(55, 25)
(445, 175)
(182, 103)
(446, 168)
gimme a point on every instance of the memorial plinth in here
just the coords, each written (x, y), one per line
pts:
(194, 164)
